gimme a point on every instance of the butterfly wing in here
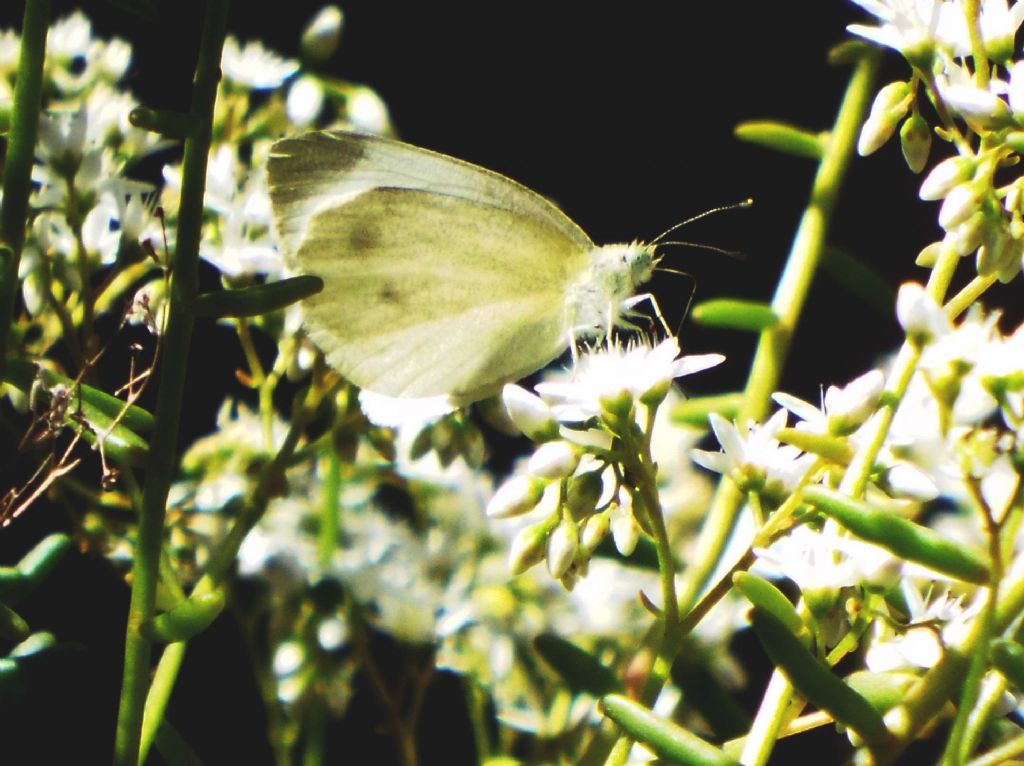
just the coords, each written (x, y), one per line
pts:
(316, 171)
(429, 294)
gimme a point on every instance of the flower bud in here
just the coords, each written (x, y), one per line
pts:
(916, 142)
(562, 545)
(529, 413)
(961, 203)
(527, 548)
(321, 35)
(553, 460)
(594, 529)
(625, 530)
(517, 496)
(946, 176)
(967, 237)
(583, 493)
(305, 101)
(888, 108)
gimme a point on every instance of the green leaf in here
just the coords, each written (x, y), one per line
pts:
(1008, 658)
(782, 138)
(694, 412)
(19, 581)
(882, 690)
(902, 537)
(582, 672)
(257, 299)
(833, 448)
(12, 626)
(44, 556)
(735, 314)
(177, 125)
(664, 737)
(188, 618)
(22, 374)
(766, 596)
(814, 680)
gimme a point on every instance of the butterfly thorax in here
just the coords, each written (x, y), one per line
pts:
(595, 300)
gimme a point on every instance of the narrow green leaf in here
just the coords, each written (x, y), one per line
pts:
(44, 556)
(257, 299)
(860, 280)
(12, 625)
(177, 125)
(883, 690)
(814, 680)
(833, 448)
(694, 412)
(22, 374)
(582, 672)
(782, 138)
(14, 586)
(735, 314)
(901, 536)
(1008, 658)
(664, 737)
(189, 618)
(766, 596)
(19, 581)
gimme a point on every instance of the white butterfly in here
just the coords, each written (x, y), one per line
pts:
(441, 279)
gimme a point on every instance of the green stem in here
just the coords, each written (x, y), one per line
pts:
(163, 446)
(160, 694)
(788, 303)
(330, 526)
(21, 144)
(856, 477)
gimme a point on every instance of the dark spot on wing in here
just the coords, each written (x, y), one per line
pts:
(365, 237)
(389, 295)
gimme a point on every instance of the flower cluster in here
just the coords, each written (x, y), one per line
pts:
(981, 210)
(593, 431)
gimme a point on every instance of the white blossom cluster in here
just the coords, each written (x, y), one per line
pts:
(980, 112)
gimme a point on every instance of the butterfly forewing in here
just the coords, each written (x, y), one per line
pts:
(315, 171)
(427, 293)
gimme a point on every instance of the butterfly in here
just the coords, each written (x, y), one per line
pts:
(442, 280)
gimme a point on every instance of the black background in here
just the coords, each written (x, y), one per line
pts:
(625, 118)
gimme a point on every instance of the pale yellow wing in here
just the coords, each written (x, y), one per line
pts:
(315, 171)
(428, 294)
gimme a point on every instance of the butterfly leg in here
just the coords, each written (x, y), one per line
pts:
(636, 300)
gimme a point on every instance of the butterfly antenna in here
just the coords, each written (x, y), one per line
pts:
(738, 255)
(721, 208)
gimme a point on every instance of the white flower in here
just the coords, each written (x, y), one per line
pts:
(253, 66)
(634, 370)
(819, 560)
(913, 27)
(930, 625)
(919, 314)
(998, 24)
(755, 460)
(984, 105)
(843, 410)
